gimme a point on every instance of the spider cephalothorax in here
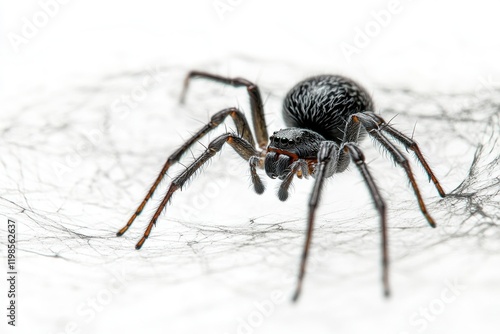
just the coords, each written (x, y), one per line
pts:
(287, 146)
(327, 116)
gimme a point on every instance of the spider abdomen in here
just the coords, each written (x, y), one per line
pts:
(324, 103)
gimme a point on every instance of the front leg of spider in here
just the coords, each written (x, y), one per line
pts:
(242, 128)
(240, 145)
(325, 167)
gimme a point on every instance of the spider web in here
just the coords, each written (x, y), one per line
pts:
(76, 161)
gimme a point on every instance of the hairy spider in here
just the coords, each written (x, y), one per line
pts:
(326, 115)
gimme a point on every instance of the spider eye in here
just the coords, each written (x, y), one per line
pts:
(284, 140)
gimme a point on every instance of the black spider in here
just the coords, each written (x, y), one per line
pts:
(327, 115)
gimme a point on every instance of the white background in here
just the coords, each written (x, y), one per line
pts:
(73, 169)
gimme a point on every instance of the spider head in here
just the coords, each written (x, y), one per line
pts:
(289, 145)
(284, 140)
(296, 142)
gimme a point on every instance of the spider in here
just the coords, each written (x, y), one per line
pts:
(326, 115)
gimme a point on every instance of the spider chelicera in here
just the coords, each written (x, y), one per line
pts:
(326, 115)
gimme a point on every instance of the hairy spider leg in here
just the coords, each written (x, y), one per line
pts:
(242, 128)
(358, 158)
(373, 128)
(410, 144)
(239, 144)
(327, 163)
(256, 105)
(255, 162)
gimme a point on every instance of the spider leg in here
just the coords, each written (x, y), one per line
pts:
(254, 162)
(374, 130)
(256, 105)
(350, 150)
(359, 159)
(243, 130)
(327, 163)
(351, 135)
(408, 143)
(240, 145)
